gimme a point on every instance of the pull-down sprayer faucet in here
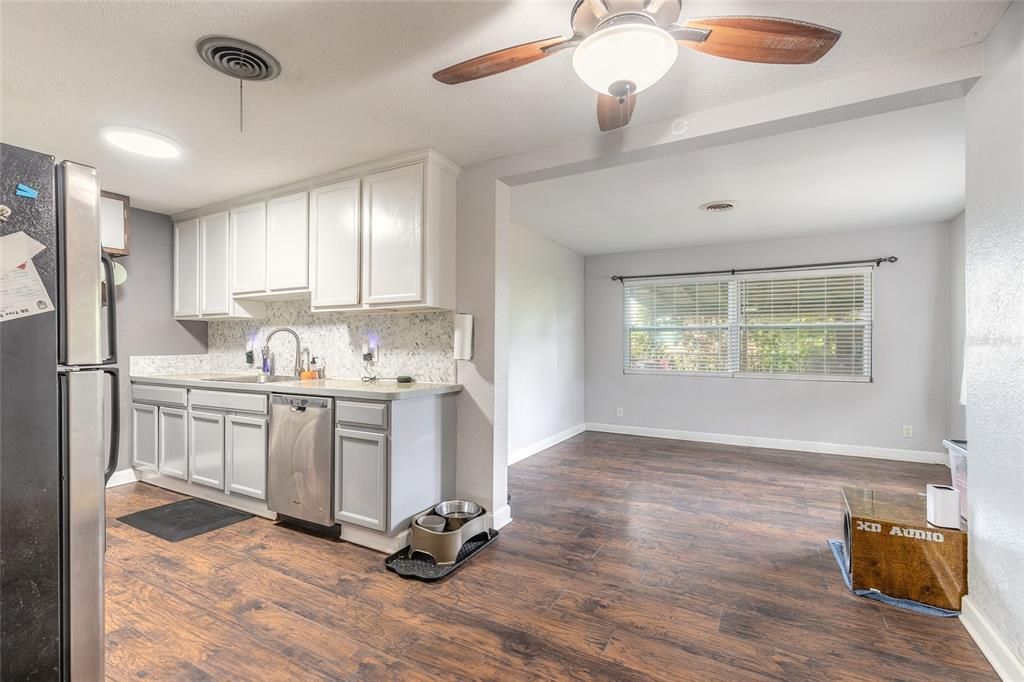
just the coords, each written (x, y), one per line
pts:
(298, 348)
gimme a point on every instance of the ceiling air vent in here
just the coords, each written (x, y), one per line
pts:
(238, 59)
(718, 206)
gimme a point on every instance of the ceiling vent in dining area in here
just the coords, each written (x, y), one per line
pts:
(720, 206)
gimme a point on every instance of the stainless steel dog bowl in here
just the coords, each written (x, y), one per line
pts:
(457, 512)
(457, 509)
(431, 522)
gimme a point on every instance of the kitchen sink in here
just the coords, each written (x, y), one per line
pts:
(255, 379)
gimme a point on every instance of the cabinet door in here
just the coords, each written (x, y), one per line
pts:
(334, 252)
(360, 478)
(393, 236)
(186, 268)
(206, 448)
(173, 442)
(144, 432)
(287, 243)
(249, 249)
(214, 296)
(246, 440)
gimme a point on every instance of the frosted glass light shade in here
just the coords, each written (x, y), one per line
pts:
(144, 142)
(637, 53)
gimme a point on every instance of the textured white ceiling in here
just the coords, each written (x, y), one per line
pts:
(356, 82)
(899, 168)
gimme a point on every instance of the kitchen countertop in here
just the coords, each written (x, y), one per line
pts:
(333, 388)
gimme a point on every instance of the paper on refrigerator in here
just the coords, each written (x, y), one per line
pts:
(22, 292)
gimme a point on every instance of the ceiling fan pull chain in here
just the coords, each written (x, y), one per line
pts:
(241, 107)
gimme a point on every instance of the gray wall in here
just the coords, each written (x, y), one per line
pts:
(545, 356)
(956, 418)
(911, 349)
(145, 308)
(995, 332)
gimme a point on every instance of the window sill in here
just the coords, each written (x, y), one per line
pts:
(831, 378)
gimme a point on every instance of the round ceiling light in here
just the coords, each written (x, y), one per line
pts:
(142, 142)
(634, 53)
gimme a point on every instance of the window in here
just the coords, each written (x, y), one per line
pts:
(812, 324)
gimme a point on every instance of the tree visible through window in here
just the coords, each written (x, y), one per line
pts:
(811, 324)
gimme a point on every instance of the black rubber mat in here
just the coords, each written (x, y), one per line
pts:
(422, 567)
(184, 519)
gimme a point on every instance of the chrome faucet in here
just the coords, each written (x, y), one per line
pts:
(298, 347)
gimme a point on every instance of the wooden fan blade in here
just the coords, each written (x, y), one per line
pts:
(612, 114)
(499, 61)
(768, 40)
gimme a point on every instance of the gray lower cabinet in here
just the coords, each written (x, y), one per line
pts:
(173, 442)
(360, 478)
(246, 445)
(144, 436)
(206, 448)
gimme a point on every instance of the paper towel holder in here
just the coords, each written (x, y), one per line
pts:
(463, 336)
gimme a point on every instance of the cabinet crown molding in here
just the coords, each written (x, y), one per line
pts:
(428, 155)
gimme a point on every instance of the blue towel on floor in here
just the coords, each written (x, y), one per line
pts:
(915, 606)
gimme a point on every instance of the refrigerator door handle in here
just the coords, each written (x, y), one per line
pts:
(78, 229)
(108, 268)
(115, 421)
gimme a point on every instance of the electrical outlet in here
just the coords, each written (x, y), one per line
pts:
(618, 412)
(371, 351)
(908, 431)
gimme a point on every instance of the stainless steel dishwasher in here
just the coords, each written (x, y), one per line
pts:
(300, 481)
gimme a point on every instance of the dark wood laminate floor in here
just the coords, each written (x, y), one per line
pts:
(629, 558)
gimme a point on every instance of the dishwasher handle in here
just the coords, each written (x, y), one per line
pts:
(298, 403)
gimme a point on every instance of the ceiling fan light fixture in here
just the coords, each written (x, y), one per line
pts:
(634, 53)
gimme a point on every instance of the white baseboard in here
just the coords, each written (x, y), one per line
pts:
(388, 544)
(240, 502)
(898, 454)
(122, 477)
(501, 517)
(519, 454)
(996, 650)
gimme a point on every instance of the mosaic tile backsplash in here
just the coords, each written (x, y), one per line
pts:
(417, 344)
(168, 364)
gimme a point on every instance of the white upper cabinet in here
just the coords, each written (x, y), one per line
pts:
(287, 243)
(393, 236)
(203, 271)
(377, 237)
(334, 245)
(249, 249)
(214, 265)
(186, 268)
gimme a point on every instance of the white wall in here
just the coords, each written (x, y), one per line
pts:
(911, 347)
(995, 333)
(956, 419)
(145, 309)
(545, 357)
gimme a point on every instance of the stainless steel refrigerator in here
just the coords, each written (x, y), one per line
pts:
(58, 399)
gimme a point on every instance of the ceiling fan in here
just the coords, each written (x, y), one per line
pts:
(625, 46)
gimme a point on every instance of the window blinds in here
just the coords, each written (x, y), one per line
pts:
(812, 324)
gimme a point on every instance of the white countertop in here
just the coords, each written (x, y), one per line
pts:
(334, 388)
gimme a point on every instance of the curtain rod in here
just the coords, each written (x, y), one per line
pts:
(780, 268)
